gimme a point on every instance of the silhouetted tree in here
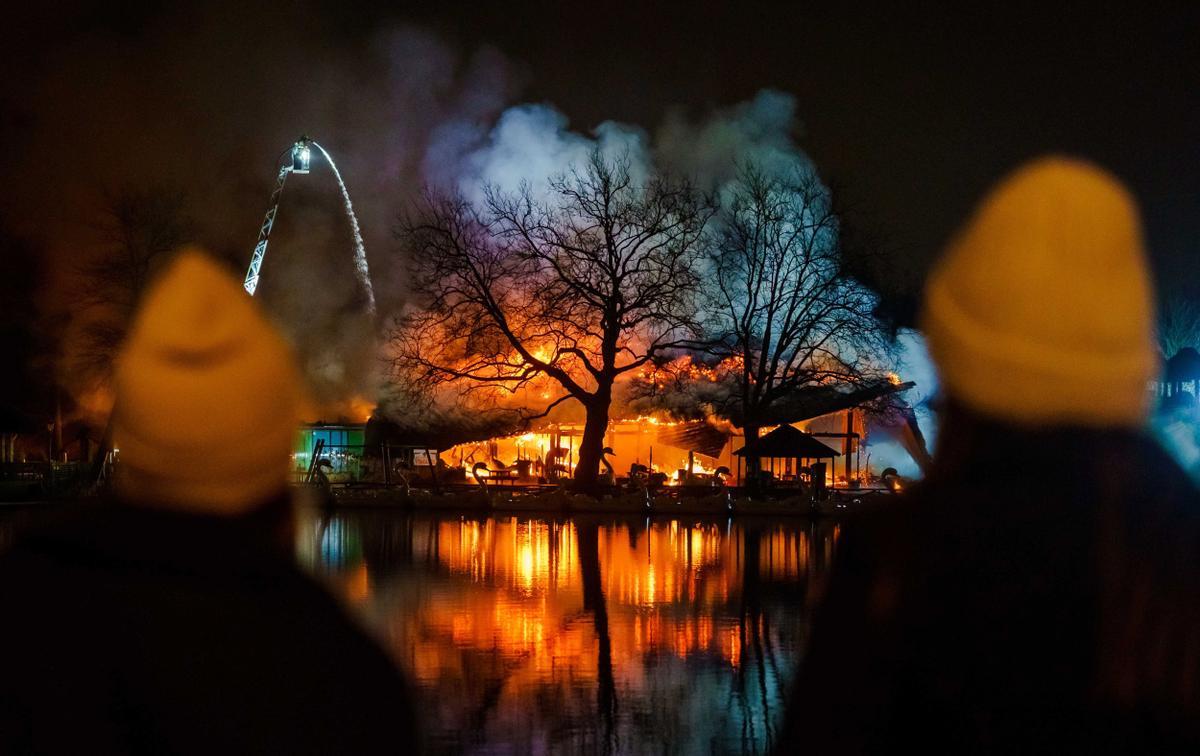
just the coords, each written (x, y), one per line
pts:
(26, 383)
(580, 285)
(1178, 325)
(139, 229)
(784, 308)
(588, 544)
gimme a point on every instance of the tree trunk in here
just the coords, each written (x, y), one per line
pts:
(588, 544)
(592, 443)
(751, 607)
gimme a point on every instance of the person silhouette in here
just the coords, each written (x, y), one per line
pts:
(1037, 591)
(172, 618)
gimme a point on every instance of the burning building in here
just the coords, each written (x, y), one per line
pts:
(340, 445)
(656, 446)
(701, 451)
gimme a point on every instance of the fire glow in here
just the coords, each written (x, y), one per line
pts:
(552, 453)
(528, 591)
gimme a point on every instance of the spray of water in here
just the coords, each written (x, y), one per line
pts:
(360, 253)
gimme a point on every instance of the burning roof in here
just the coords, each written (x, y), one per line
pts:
(699, 436)
(808, 403)
(442, 436)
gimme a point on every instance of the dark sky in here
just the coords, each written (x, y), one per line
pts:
(909, 114)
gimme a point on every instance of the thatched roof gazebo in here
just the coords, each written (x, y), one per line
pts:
(795, 448)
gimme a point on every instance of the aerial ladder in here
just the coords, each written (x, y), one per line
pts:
(301, 163)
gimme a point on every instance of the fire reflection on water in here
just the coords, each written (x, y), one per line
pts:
(537, 634)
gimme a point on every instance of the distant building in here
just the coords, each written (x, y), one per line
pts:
(342, 445)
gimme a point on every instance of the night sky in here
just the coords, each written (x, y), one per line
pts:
(908, 115)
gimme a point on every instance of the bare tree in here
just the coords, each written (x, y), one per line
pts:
(29, 337)
(578, 286)
(1178, 325)
(138, 230)
(787, 314)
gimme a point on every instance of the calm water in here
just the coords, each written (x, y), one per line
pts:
(529, 635)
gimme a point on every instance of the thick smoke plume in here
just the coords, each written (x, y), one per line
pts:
(532, 143)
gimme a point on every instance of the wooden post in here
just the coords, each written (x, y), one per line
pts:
(848, 444)
(58, 427)
(437, 487)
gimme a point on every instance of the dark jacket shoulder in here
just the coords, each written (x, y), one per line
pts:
(153, 631)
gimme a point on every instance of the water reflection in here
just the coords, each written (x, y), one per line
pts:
(583, 634)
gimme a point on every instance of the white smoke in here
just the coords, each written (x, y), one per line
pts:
(761, 131)
(530, 144)
(912, 364)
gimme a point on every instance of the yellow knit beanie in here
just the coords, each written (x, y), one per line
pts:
(1041, 310)
(208, 396)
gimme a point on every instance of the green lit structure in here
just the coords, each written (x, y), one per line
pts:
(341, 444)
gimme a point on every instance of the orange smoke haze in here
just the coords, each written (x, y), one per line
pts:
(356, 409)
